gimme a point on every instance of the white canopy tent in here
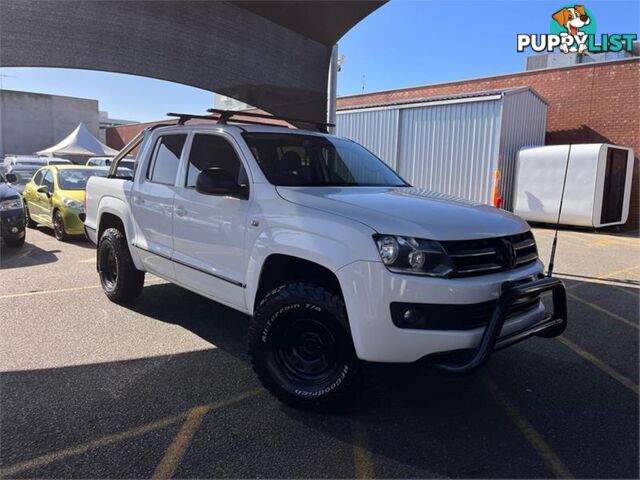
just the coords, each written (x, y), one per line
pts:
(81, 143)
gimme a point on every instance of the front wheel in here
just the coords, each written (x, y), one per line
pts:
(120, 279)
(58, 226)
(30, 222)
(301, 348)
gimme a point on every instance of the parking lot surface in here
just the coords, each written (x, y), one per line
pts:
(164, 388)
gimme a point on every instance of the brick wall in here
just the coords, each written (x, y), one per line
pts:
(589, 103)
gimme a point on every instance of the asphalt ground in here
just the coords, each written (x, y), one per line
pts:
(163, 388)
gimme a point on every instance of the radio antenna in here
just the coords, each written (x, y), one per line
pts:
(555, 235)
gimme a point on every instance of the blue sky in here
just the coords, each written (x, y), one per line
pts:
(404, 43)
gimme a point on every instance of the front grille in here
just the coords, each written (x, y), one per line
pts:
(433, 316)
(491, 255)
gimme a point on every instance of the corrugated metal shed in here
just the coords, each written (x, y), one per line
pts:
(452, 144)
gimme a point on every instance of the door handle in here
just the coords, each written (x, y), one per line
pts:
(138, 200)
(181, 211)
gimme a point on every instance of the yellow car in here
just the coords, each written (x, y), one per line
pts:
(55, 198)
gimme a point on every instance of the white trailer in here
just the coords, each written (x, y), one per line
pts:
(598, 188)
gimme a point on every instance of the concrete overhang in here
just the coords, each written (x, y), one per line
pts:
(271, 54)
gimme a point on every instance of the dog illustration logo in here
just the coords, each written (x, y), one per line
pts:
(572, 29)
(573, 19)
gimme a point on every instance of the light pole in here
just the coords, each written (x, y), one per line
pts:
(332, 86)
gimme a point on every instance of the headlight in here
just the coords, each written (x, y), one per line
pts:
(76, 205)
(11, 204)
(413, 255)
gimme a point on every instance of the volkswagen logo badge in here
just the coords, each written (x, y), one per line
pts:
(507, 254)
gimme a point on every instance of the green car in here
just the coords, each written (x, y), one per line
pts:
(55, 198)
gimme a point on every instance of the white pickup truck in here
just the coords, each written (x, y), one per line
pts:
(336, 258)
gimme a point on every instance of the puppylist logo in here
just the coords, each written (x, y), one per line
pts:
(573, 30)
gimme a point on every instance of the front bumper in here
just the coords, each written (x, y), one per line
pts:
(12, 223)
(73, 221)
(369, 289)
(551, 325)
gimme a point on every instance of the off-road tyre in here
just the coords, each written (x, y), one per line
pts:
(301, 347)
(121, 280)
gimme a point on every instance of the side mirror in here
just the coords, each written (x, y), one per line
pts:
(218, 181)
(43, 189)
(11, 177)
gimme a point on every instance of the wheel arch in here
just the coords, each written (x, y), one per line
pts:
(110, 220)
(298, 254)
(280, 268)
(113, 213)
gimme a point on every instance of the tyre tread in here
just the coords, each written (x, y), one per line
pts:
(287, 293)
(130, 279)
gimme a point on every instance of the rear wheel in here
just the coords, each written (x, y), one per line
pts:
(58, 226)
(301, 348)
(120, 279)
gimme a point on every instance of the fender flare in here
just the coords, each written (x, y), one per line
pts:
(294, 243)
(119, 208)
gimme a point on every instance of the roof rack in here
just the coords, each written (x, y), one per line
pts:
(223, 116)
(183, 117)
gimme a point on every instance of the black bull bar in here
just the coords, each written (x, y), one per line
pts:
(552, 325)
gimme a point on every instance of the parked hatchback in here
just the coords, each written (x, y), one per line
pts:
(22, 174)
(57, 161)
(11, 213)
(99, 161)
(55, 198)
(106, 161)
(12, 160)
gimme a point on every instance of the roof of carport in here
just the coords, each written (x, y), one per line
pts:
(271, 54)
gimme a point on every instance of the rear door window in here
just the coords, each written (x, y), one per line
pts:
(213, 151)
(37, 178)
(166, 159)
(47, 181)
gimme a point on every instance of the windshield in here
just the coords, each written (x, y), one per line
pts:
(314, 161)
(77, 179)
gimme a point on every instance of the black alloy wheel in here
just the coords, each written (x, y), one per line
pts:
(121, 280)
(306, 351)
(301, 348)
(58, 226)
(109, 269)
